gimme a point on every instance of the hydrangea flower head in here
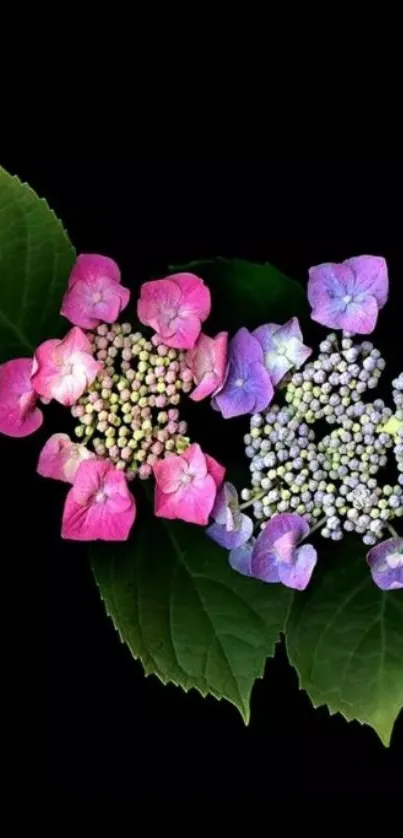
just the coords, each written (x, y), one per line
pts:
(348, 295)
(283, 347)
(231, 528)
(19, 414)
(386, 564)
(248, 387)
(175, 308)
(186, 485)
(63, 369)
(275, 557)
(207, 362)
(99, 506)
(94, 292)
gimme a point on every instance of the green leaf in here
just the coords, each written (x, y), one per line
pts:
(36, 257)
(345, 638)
(181, 609)
(248, 294)
(170, 591)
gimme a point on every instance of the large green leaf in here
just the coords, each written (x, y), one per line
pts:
(36, 257)
(182, 610)
(248, 294)
(170, 592)
(345, 637)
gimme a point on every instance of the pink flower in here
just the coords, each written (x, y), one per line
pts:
(99, 505)
(19, 415)
(175, 308)
(63, 369)
(186, 485)
(207, 363)
(94, 292)
(60, 458)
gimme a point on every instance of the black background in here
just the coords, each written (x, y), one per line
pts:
(107, 727)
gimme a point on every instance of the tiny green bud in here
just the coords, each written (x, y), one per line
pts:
(280, 471)
(114, 399)
(109, 442)
(143, 402)
(110, 432)
(255, 433)
(79, 431)
(137, 435)
(144, 355)
(161, 388)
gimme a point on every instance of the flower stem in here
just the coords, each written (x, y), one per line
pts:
(316, 527)
(252, 501)
(392, 530)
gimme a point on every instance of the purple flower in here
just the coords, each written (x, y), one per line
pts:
(349, 295)
(386, 564)
(248, 387)
(274, 555)
(231, 528)
(283, 347)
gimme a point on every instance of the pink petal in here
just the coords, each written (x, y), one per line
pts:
(169, 473)
(19, 415)
(158, 304)
(87, 304)
(196, 298)
(93, 523)
(99, 505)
(216, 470)
(192, 503)
(91, 266)
(197, 464)
(207, 362)
(186, 331)
(64, 369)
(60, 458)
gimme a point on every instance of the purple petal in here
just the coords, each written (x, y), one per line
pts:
(245, 347)
(260, 383)
(297, 575)
(264, 335)
(371, 276)
(226, 501)
(280, 525)
(276, 544)
(328, 281)
(386, 564)
(265, 565)
(234, 538)
(240, 559)
(361, 315)
(234, 400)
(283, 347)
(277, 366)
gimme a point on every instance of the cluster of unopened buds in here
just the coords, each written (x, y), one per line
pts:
(124, 389)
(304, 476)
